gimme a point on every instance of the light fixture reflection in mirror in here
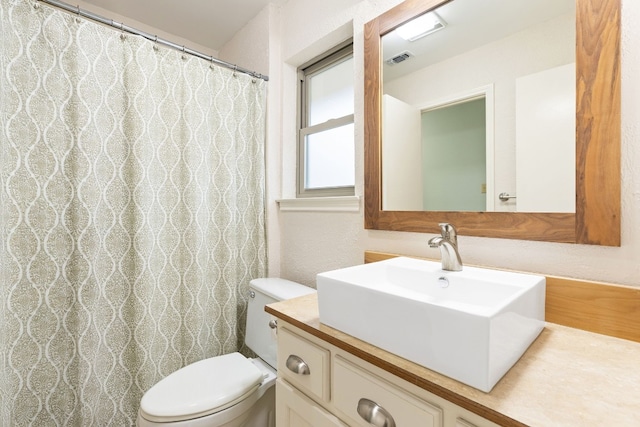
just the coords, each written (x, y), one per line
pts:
(519, 48)
(597, 154)
(421, 26)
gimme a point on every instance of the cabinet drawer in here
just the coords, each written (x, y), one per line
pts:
(303, 364)
(358, 394)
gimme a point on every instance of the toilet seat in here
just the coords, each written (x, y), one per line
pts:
(202, 388)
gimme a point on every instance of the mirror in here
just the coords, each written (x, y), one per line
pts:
(597, 140)
(471, 110)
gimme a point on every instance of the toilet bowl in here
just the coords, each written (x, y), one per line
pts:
(229, 390)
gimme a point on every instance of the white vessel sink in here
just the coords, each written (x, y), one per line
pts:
(470, 325)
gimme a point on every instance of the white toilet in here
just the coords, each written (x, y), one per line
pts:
(228, 390)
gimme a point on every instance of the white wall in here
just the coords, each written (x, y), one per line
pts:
(305, 243)
(262, 38)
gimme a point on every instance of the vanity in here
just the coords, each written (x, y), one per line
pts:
(568, 377)
(341, 389)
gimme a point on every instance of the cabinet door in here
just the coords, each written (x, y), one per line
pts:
(294, 409)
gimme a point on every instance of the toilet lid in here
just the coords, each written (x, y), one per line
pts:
(200, 389)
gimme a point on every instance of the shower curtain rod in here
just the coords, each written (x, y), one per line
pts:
(154, 38)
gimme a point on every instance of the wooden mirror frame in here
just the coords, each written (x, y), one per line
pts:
(598, 133)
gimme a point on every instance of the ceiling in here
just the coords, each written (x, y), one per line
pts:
(470, 24)
(209, 23)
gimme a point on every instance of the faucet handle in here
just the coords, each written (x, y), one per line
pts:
(448, 232)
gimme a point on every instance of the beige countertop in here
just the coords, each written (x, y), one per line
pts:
(568, 377)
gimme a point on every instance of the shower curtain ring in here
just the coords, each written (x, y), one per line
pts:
(120, 26)
(78, 13)
(235, 70)
(155, 43)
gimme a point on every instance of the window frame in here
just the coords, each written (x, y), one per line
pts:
(319, 64)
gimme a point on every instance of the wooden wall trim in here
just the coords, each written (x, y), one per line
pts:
(603, 308)
(598, 122)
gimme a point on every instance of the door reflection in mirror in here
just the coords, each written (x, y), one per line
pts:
(443, 160)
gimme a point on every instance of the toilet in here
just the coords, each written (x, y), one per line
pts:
(229, 390)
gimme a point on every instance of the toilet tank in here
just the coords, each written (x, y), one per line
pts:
(259, 336)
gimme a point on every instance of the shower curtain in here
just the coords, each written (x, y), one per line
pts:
(131, 215)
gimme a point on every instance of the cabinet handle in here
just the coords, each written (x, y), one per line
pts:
(297, 365)
(375, 414)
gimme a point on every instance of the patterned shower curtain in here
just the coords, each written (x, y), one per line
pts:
(131, 215)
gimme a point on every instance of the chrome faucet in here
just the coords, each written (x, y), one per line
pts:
(448, 244)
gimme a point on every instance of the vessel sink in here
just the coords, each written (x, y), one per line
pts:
(471, 325)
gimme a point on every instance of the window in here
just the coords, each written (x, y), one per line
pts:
(326, 149)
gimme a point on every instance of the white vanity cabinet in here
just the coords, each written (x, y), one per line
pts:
(321, 385)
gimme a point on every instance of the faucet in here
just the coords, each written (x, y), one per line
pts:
(448, 244)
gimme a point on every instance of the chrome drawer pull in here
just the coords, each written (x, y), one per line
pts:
(375, 414)
(297, 365)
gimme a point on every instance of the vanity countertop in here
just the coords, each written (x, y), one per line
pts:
(568, 377)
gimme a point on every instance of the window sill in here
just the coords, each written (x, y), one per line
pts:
(321, 204)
